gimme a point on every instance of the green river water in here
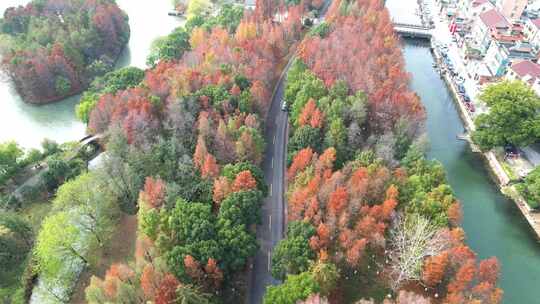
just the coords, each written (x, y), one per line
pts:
(493, 224)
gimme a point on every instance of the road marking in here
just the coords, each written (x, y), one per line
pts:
(270, 223)
(271, 190)
(274, 141)
(269, 257)
(272, 163)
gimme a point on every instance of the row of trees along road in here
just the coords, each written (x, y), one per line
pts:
(368, 215)
(184, 147)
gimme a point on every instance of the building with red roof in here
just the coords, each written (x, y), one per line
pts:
(524, 70)
(488, 23)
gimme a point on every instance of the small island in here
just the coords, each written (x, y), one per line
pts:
(54, 49)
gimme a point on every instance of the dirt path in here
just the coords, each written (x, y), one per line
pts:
(119, 249)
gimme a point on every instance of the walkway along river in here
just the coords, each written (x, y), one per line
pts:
(29, 124)
(493, 224)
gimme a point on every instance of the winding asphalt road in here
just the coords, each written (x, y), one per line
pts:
(270, 232)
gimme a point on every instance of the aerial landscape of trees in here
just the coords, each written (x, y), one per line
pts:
(191, 137)
(109, 83)
(53, 49)
(184, 142)
(361, 197)
(368, 217)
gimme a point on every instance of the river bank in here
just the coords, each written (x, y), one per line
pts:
(493, 224)
(494, 165)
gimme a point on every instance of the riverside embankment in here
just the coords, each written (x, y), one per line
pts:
(493, 163)
(493, 224)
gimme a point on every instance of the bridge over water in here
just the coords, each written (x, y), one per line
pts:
(36, 177)
(407, 18)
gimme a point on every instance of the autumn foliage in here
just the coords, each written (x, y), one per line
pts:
(244, 181)
(349, 207)
(154, 192)
(354, 198)
(311, 115)
(202, 114)
(363, 50)
(52, 53)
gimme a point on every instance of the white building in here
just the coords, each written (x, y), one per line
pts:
(532, 31)
(487, 23)
(469, 10)
(512, 9)
(496, 59)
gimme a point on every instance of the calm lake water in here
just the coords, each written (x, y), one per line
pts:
(493, 224)
(29, 124)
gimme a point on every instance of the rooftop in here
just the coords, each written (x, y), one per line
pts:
(477, 3)
(494, 19)
(536, 22)
(526, 69)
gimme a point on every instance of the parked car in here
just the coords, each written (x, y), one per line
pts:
(284, 106)
(466, 98)
(461, 89)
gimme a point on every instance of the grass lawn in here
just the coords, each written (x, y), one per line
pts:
(119, 249)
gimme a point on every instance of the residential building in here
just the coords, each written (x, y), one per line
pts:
(533, 10)
(485, 25)
(469, 10)
(496, 59)
(499, 56)
(524, 70)
(532, 31)
(449, 7)
(512, 9)
(512, 35)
